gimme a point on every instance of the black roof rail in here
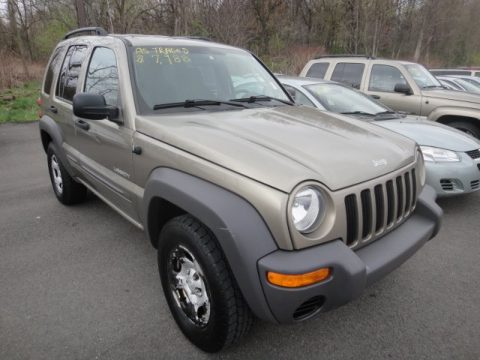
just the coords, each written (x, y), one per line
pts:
(194, 37)
(344, 55)
(98, 31)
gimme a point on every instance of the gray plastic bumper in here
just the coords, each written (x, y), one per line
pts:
(352, 271)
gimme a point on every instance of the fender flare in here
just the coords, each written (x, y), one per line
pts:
(49, 125)
(240, 230)
(441, 111)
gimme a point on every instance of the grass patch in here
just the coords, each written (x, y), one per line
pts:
(23, 107)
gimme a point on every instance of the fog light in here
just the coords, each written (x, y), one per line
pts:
(298, 280)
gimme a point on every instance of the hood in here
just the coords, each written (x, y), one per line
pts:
(454, 96)
(430, 133)
(284, 146)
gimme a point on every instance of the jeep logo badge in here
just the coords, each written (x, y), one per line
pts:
(380, 162)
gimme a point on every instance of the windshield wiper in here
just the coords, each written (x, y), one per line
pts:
(387, 112)
(432, 87)
(256, 98)
(195, 103)
(357, 113)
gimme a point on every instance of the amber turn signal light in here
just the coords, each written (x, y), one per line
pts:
(298, 280)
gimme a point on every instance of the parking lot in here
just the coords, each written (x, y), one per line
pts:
(82, 283)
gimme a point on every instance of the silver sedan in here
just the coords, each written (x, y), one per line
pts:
(452, 158)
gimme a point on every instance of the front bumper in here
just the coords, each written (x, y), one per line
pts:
(454, 178)
(352, 271)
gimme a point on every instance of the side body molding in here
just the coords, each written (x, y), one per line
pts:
(238, 227)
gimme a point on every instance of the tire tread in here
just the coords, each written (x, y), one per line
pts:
(239, 318)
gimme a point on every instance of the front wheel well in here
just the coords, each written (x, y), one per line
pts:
(448, 119)
(470, 126)
(160, 211)
(46, 139)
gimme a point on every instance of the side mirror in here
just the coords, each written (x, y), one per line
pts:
(403, 89)
(93, 107)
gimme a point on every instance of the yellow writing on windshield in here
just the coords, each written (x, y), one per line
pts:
(162, 55)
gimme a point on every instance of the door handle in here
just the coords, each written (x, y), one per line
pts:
(82, 125)
(376, 97)
(53, 109)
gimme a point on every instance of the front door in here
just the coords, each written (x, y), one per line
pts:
(381, 86)
(105, 147)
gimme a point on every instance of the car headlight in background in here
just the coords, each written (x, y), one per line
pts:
(307, 209)
(420, 168)
(434, 154)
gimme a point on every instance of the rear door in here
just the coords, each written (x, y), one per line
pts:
(105, 147)
(318, 70)
(381, 84)
(60, 107)
(349, 73)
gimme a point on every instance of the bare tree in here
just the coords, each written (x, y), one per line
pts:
(81, 16)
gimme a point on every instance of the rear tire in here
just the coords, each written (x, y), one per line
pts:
(466, 127)
(199, 287)
(66, 189)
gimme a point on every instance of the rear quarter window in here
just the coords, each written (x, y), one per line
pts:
(318, 70)
(348, 73)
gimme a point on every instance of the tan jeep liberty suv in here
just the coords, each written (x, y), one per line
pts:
(258, 208)
(402, 86)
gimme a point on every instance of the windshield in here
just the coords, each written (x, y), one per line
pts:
(422, 77)
(340, 99)
(470, 87)
(171, 75)
(473, 81)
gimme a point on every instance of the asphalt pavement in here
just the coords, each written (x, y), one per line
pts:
(81, 283)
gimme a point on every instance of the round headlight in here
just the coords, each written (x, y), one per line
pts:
(308, 209)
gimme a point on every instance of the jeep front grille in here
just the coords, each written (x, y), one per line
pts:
(372, 212)
(474, 154)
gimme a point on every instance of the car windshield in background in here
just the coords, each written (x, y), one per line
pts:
(340, 99)
(422, 77)
(169, 76)
(468, 86)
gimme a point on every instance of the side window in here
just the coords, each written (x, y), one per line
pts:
(384, 78)
(63, 73)
(297, 96)
(52, 67)
(302, 99)
(350, 74)
(102, 75)
(318, 70)
(67, 81)
(477, 74)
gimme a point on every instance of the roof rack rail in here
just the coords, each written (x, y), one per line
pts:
(194, 37)
(98, 31)
(345, 55)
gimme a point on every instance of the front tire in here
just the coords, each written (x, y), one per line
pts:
(66, 189)
(200, 290)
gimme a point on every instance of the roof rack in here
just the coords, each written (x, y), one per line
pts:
(345, 55)
(194, 37)
(97, 31)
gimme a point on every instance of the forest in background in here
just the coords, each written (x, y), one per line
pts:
(284, 33)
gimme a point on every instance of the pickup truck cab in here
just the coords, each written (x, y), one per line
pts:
(257, 207)
(403, 86)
